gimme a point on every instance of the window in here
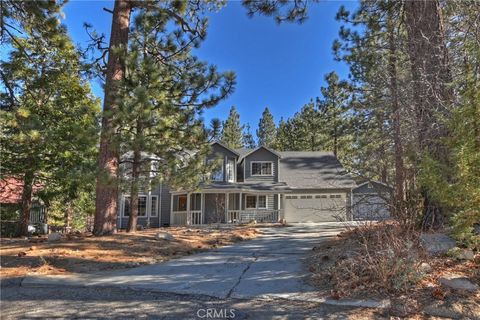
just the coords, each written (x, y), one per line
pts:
(262, 202)
(182, 203)
(231, 170)
(261, 168)
(217, 175)
(305, 197)
(251, 202)
(335, 196)
(153, 208)
(319, 196)
(256, 202)
(142, 206)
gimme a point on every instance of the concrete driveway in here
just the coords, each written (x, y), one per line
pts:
(270, 266)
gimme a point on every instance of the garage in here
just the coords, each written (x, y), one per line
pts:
(315, 207)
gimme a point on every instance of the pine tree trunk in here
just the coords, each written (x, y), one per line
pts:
(397, 132)
(106, 201)
(132, 220)
(26, 204)
(430, 74)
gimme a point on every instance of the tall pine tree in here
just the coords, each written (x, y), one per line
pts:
(232, 131)
(266, 130)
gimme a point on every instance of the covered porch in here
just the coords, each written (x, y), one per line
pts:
(219, 206)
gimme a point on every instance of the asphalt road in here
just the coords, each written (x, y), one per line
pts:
(262, 278)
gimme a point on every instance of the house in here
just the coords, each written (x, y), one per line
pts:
(252, 184)
(11, 189)
(371, 201)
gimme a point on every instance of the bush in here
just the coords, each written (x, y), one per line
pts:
(386, 257)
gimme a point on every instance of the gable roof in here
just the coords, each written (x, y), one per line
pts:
(234, 151)
(313, 170)
(245, 152)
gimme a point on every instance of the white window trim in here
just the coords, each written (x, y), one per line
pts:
(260, 175)
(233, 170)
(256, 201)
(147, 213)
(150, 206)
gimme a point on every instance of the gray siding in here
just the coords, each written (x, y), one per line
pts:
(164, 206)
(261, 155)
(152, 222)
(376, 188)
(220, 152)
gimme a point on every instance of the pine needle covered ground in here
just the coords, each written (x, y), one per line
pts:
(84, 253)
(387, 261)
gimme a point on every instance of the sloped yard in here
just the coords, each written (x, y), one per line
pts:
(383, 260)
(84, 253)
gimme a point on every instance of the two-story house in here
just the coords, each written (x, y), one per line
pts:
(253, 184)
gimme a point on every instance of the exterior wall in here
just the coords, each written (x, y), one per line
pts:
(146, 221)
(261, 155)
(221, 152)
(164, 205)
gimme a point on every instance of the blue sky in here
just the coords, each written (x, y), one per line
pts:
(279, 66)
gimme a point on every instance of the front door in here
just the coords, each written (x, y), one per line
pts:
(215, 208)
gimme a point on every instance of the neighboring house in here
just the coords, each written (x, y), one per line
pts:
(253, 184)
(10, 204)
(371, 201)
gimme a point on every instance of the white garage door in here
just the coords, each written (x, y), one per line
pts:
(315, 207)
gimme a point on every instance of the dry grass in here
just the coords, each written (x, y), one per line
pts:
(84, 253)
(384, 260)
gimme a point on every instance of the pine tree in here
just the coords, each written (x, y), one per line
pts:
(49, 135)
(190, 28)
(248, 141)
(333, 108)
(282, 142)
(159, 109)
(215, 129)
(266, 129)
(232, 131)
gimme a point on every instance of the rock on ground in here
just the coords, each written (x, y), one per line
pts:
(457, 282)
(164, 236)
(437, 243)
(453, 309)
(466, 254)
(54, 236)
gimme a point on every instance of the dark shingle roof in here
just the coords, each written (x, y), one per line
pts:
(313, 170)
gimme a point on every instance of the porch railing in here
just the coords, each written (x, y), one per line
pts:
(243, 216)
(193, 217)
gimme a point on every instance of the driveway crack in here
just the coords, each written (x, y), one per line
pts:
(249, 264)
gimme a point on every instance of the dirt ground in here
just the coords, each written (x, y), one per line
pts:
(85, 253)
(325, 259)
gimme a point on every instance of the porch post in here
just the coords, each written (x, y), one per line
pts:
(202, 207)
(240, 202)
(171, 209)
(189, 216)
(227, 198)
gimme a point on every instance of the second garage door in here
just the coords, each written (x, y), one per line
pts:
(315, 207)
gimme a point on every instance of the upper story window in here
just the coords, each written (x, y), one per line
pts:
(217, 175)
(231, 170)
(261, 168)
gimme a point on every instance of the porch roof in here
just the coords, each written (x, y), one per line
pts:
(264, 187)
